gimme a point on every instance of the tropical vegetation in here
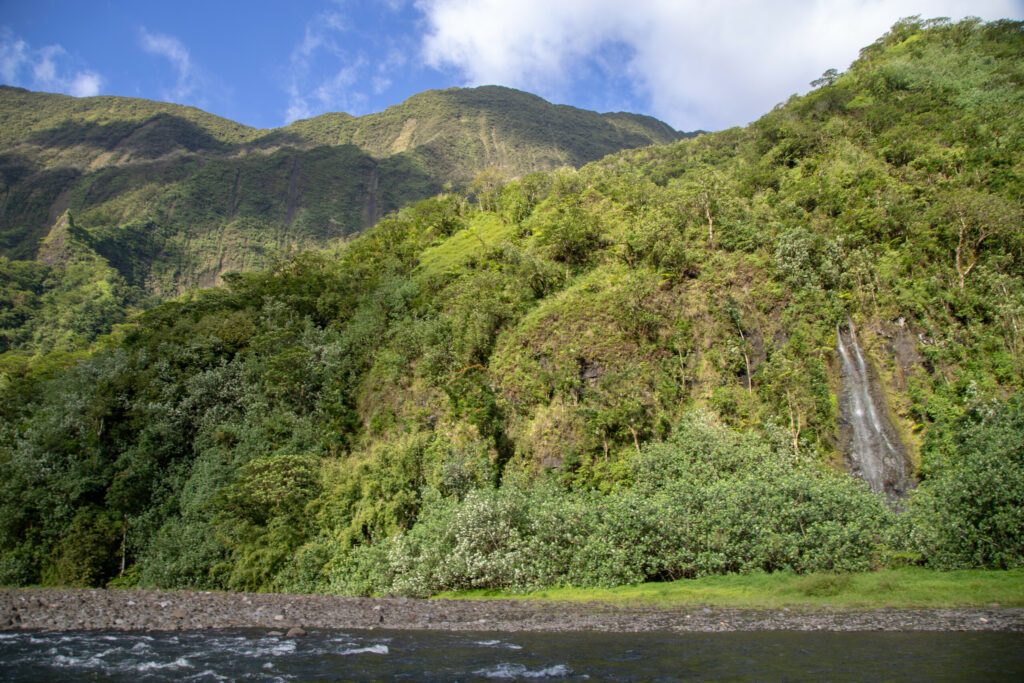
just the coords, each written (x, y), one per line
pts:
(620, 373)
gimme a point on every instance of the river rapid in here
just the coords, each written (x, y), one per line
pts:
(364, 655)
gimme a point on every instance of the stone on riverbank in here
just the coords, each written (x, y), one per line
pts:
(139, 610)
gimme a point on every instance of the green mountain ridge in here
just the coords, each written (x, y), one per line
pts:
(622, 373)
(216, 196)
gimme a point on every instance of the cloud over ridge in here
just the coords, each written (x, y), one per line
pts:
(175, 52)
(699, 64)
(49, 68)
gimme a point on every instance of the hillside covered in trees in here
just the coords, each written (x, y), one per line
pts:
(620, 373)
(165, 198)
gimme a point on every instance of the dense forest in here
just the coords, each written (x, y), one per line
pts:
(171, 197)
(619, 373)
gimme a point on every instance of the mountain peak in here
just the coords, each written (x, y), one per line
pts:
(227, 196)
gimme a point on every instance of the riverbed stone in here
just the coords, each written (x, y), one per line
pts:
(181, 610)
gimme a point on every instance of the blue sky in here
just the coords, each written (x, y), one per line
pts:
(693, 63)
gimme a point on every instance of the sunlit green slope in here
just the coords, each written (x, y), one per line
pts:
(175, 197)
(610, 375)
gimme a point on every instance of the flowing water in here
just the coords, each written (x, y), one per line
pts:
(870, 443)
(457, 656)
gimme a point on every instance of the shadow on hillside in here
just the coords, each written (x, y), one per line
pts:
(279, 138)
(136, 212)
(154, 137)
(185, 181)
(29, 202)
(14, 168)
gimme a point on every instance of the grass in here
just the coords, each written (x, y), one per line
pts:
(484, 232)
(903, 588)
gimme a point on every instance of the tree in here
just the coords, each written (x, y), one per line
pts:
(736, 318)
(568, 232)
(969, 511)
(827, 78)
(977, 219)
(707, 194)
(486, 188)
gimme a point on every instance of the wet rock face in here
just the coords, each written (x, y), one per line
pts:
(903, 345)
(870, 444)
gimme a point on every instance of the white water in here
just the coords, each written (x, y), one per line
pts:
(371, 649)
(872, 448)
(445, 656)
(513, 671)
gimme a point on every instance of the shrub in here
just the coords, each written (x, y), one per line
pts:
(181, 555)
(710, 501)
(87, 554)
(969, 512)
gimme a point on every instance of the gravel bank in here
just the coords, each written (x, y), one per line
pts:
(133, 610)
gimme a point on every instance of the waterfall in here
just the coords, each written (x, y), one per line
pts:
(871, 447)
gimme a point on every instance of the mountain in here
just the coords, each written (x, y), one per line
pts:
(175, 197)
(637, 370)
(457, 133)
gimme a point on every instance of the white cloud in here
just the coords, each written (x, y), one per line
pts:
(85, 84)
(321, 50)
(297, 109)
(336, 87)
(699, 64)
(393, 61)
(45, 69)
(49, 68)
(173, 50)
(13, 55)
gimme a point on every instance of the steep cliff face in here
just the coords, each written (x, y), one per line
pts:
(213, 196)
(61, 242)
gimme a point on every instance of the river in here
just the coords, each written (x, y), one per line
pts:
(330, 655)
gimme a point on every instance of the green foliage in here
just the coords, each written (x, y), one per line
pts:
(182, 554)
(272, 486)
(620, 373)
(86, 554)
(710, 501)
(567, 230)
(483, 233)
(970, 510)
(882, 589)
(176, 198)
(65, 303)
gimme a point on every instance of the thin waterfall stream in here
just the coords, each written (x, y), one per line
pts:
(870, 443)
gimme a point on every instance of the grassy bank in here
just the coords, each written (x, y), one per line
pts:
(905, 588)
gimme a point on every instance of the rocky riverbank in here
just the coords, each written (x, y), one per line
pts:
(135, 610)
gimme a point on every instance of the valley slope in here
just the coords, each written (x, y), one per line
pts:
(174, 197)
(620, 373)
